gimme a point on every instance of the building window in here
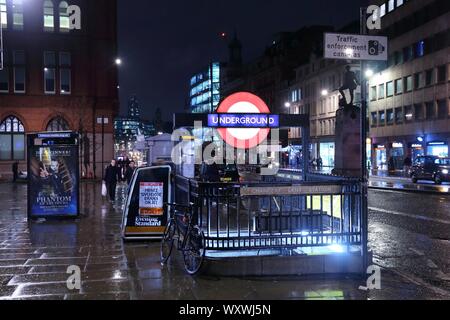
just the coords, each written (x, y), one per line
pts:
(391, 5)
(418, 81)
(4, 14)
(294, 95)
(381, 92)
(49, 72)
(4, 75)
(65, 63)
(399, 3)
(442, 73)
(418, 111)
(399, 86)
(399, 115)
(383, 10)
(390, 116)
(19, 72)
(58, 124)
(64, 23)
(443, 111)
(390, 89)
(420, 49)
(49, 16)
(409, 113)
(408, 84)
(12, 139)
(373, 93)
(17, 10)
(374, 119)
(430, 110)
(381, 118)
(429, 77)
(398, 56)
(407, 53)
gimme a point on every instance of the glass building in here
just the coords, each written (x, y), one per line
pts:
(205, 90)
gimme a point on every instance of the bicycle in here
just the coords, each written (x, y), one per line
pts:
(190, 240)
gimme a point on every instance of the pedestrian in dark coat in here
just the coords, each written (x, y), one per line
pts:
(15, 170)
(112, 175)
(129, 171)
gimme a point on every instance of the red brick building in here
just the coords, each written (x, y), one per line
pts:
(56, 79)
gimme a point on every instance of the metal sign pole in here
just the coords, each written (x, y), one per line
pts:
(1, 43)
(364, 177)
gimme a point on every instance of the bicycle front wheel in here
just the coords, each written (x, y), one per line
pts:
(194, 251)
(167, 242)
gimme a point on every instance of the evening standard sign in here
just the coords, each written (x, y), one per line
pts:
(355, 47)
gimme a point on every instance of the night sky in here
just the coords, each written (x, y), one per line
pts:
(164, 42)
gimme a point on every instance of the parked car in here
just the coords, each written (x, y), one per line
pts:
(431, 168)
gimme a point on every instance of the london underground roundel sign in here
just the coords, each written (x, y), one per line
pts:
(249, 133)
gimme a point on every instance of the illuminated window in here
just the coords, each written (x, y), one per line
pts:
(383, 10)
(49, 72)
(420, 49)
(408, 83)
(12, 139)
(58, 124)
(381, 92)
(399, 115)
(390, 89)
(399, 86)
(373, 93)
(65, 72)
(17, 9)
(391, 5)
(49, 16)
(4, 13)
(64, 23)
(399, 3)
(381, 118)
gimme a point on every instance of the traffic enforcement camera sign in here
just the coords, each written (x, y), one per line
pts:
(355, 47)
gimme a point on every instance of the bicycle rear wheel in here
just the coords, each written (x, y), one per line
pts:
(194, 251)
(167, 242)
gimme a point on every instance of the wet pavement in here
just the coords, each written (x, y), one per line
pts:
(403, 183)
(409, 237)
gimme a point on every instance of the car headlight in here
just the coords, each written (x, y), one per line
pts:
(445, 171)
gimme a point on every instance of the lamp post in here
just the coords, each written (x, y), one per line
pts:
(103, 120)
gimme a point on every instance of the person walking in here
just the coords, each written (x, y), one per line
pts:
(112, 175)
(129, 171)
(15, 170)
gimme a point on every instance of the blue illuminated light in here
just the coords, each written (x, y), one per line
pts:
(243, 121)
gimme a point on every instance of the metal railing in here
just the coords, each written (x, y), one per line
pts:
(275, 215)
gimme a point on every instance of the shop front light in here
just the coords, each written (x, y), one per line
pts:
(337, 248)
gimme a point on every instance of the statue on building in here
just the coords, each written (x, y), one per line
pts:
(351, 82)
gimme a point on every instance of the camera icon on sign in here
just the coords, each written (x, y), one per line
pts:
(375, 48)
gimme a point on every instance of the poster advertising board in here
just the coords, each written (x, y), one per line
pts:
(144, 215)
(53, 175)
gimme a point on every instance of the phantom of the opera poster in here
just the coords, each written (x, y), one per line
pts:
(54, 182)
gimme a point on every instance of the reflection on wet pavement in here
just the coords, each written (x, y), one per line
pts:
(35, 256)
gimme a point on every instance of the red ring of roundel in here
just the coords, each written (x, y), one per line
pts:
(231, 101)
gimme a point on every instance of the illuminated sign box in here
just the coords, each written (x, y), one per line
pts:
(228, 120)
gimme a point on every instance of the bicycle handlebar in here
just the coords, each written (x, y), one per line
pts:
(181, 207)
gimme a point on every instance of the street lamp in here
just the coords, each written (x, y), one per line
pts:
(349, 52)
(287, 104)
(369, 73)
(118, 61)
(324, 93)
